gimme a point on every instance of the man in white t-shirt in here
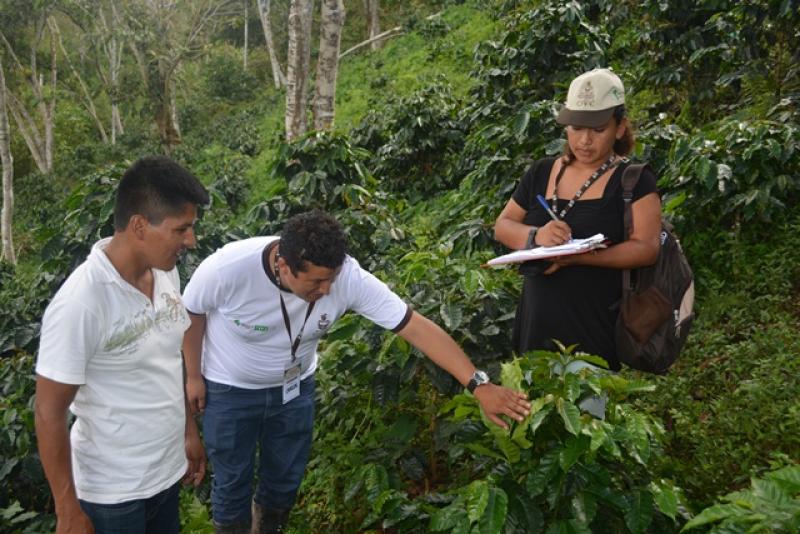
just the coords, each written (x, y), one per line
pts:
(110, 353)
(258, 309)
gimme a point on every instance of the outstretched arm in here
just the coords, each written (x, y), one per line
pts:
(437, 345)
(52, 402)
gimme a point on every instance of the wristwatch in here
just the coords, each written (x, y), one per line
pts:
(478, 378)
(531, 241)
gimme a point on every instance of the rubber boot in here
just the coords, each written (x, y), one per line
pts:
(242, 527)
(268, 520)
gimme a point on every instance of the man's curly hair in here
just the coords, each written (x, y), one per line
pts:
(314, 237)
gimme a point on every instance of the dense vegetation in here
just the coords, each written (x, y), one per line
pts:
(434, 131)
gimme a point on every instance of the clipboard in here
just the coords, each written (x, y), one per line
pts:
(573, 246)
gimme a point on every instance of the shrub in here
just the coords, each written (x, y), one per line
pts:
(771, 504)
(23, 493)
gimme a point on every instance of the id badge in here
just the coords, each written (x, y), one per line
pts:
(291, 382)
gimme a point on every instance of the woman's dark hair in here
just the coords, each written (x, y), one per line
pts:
(155, 187)
(623, 146)
(313, 237)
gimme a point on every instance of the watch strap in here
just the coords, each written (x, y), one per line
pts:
(531, 241)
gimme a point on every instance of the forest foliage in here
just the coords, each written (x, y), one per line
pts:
(434, 131)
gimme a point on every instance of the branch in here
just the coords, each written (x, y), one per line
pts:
(384, 35)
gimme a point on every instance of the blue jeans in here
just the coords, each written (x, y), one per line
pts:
(155, 515)
(235, 421)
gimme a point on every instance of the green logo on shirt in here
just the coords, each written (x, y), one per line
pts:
(255, 327)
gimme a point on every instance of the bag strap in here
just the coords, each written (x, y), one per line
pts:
(630, 177)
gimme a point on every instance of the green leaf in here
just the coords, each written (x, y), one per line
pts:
(494, 515)
(485, 451)
(572, 387)
(539, 418)
(376, 481)
(477, 496)
(570, 414)
(511, 375)
(10, 511)
(519, 434)
(451, 314)
(594, 360)
(598, 435)
(640, 511)
(451, 518)
(572, 452)
(637, 429)
(771, 492)
(713, 514)
(584, 507)
(521, 124)
(508, 447)
(666, 498)
(788, 477)
(543, 473)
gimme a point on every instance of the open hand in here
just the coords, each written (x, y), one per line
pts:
(498, 400)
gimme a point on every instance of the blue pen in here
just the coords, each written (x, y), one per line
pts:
(550, 212)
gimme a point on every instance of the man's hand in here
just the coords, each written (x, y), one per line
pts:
(73, 521)
(196, 455)
(498, 400)
(196, 394)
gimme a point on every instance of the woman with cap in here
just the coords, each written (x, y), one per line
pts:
(572, 299)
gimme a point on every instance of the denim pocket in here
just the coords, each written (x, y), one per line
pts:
(216, 387)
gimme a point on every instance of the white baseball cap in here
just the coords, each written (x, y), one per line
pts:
(592, 98)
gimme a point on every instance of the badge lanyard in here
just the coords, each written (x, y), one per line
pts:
(296, 343)
(586, 185)
(291, 374)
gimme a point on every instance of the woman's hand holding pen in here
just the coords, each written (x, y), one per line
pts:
(553, 233)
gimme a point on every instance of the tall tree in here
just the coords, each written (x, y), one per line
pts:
(83, 94)
(7, 161)
(246, 34)
(330, 33)
(102, 27)
(264, 7)
(164, 34)
(373, 22)
(298, 59)
(38, 135)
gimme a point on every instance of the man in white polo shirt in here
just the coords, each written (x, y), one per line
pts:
(110, 352)
(258, 309)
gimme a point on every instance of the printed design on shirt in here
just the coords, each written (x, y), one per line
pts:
(254, 327)
(127, 333)
(323, 323)
(174, 305)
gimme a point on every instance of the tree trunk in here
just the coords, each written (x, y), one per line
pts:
(298, 59)
(7, 161)
(373, 23)
(246, 27)
(49, 107)
(86, 96)
(39, 141)
(330, 33)
(166, 115)
(277, 72)
(113, 49)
